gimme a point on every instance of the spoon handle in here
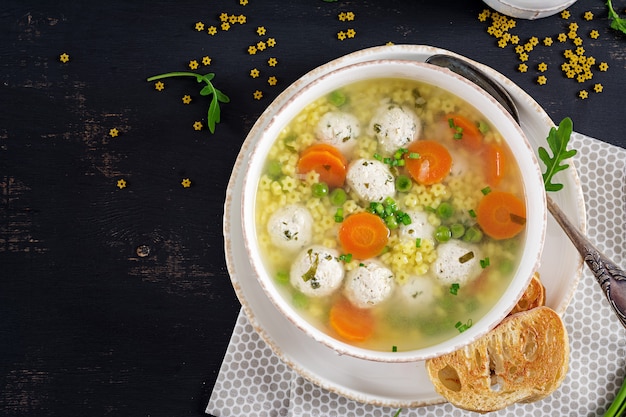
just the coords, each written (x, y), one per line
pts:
(612, 279)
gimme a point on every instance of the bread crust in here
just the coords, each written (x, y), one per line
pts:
(524, 359)
(534, 296)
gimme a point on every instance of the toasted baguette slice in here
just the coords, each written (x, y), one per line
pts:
(524, 359)
(534, 296)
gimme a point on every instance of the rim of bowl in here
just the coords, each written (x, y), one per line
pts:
(525, 9)
(390, 68)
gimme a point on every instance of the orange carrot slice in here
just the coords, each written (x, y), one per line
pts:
(350, 322)
(327, 161)
(428, 162)
(495, 164)
(466, 130)
(501, 215)
(364, 235)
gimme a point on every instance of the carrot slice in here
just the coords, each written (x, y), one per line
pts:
(501, 215)
(364, 235)
(428, 162)
(466, 130)
(350, 322)
(327, 161)
(495, 164)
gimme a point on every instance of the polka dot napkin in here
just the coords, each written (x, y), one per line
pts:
(254, 382)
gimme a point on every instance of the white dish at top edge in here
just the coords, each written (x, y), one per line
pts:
(385, 384)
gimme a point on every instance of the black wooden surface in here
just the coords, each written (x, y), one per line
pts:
(89, 327)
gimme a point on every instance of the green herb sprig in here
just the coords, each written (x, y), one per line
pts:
(217, 97)
(617, 22)
(558, 139)
(618, 406)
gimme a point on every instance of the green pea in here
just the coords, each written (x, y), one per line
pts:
(274, 170)
(443, 234)
(338, 196)
(282, 277)
(457, 230)
(300, 300)
(473, 235)
(403, 183)
(445, 210)
(320, 189)
(337, 98)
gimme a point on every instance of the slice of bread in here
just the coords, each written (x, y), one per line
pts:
(524, 359)
(534, 296)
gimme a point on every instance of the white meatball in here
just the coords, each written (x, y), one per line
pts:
(457, 262)
(371, 180)
(395, 127)
(339, 129)
(291, 227)
(317, 271)
(419, 227)
(419, 291)
(369, 284)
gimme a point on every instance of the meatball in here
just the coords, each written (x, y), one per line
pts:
(291, 227)
(369, 284)
(419, 226)
(317, 271)
(395, 127)
(418, 291)
(338, 129)
(457, 262)
(371, 180)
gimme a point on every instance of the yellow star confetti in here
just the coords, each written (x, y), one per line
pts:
(224, 17)
(594, 34)
(583, 94)
(260, 46)
(271, 42)
(159, 85)
(482, 16)
(598, 88)
(193, 64)
(252, 49)
(603, 66)
(206, 60)
(232, 19)
(187, 99)
(588, 16)
(272, 80)
(261, 30)
(580, 50)
(522, 67)
(254, 73)
(350, 33)
(225, 26)
(514, 39)
(258, 95)
(243, 2)
(350, 16)
(241, 19)
(542, 80)
(542, 67)
(389, 43)
(272, 62)
(523, 57)
(562, 37)
(565, 14)
(341, 35)
(342, 16)
(502, 43)
(547, 41)
(212, 30)
(121, 184)
(64, 58)
(519, 49)
(573, 26)
(528, 47)
(114, 132)
(186, 183)
(199, 26)
(534, 41)
(197, 125)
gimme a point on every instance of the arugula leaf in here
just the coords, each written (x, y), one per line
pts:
(617, 23)
(558, 139)
(213, 114)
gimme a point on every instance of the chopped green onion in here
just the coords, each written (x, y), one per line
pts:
(345, 257)
(394, 348)
(418, 242)
(461, 327)
(484, 263)
(458, 136)
(300, 300)
(319, 189)
(282, 277)
(457, 230)
(414, 155)
(473, 235)
(486, 190)
(338, 196)
(483, 127)
(339, 215)
(472, 213)
(451, 122)
(391, 222)
(518, 219)
(467, 257)
(454, 289)
(445, 210)
(378, 157)
(442, 234)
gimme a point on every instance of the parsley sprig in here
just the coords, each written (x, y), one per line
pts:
(558, 139)
(617, 22)
(213, 115)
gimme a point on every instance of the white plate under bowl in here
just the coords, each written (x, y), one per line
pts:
(389, 384)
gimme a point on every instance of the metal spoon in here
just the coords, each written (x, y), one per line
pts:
(612, 279)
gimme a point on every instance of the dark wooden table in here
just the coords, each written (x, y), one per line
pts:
(116, 301)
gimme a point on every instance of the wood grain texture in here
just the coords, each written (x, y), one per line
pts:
(87, 325)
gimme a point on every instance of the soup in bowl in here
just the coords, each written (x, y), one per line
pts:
(393, 211)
